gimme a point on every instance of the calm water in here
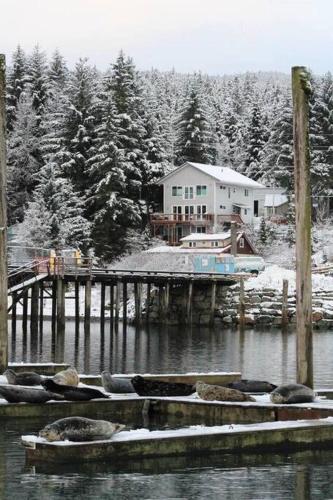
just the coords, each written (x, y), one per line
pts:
(266, 355)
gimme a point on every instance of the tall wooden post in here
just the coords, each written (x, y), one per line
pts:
(233, 238)
(102, 312)
(111, 305)
(25, 298)
(60, 340)
(54, 310)
(14, 305)
(138, 302)
(77, 308)
(117, 305)
(284, 308)
(41, 310)
(3, 222)
(301, 90)
(212, 303)
(34, 311)
(189, 303)
(241, 303)
(87, 308)
(148, 301)
(124, 303)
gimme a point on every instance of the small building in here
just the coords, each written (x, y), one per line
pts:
(220, 242)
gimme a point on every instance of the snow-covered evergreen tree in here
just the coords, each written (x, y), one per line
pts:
(257, 137)
(196, 141)
(16, 81)
(38, 81)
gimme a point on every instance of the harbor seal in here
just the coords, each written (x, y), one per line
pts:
(73, 393)
(115, 384)
(19, 394)
(79, 429)
(23, 378)
(67, 377)
(145, 387)
(251, 386)
(219, 393)
(292, 393)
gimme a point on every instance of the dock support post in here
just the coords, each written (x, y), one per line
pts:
(124, 303)
(138, 302)
(54, 311)
(41, 310)
(77, 308)
(111, 305)
(241, 303)
(284, 308)
(166, 302)
(3, 222)
(301, 90)
(102, 313)
(148, 301)
(87, 308)
(212, 303)
(13, 322)
(34, 311)
(25, 315)
(189, 303)
(118, 286)
(160, 301)
(60, 339)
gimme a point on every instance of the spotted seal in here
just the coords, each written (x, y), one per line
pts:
(23, 378)
(292, 393)
(79, 429)
(19, 394)
(145, 387)
(67, 377)
(219, 393)
(72, 393)
(115, 384)
(251, 386)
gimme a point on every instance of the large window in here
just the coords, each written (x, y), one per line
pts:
(177, 191)
(188, 192)
(192, 244)
(246, 192)
(201, 190)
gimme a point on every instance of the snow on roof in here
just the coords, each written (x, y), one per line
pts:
(178, 250)
(275, 200)
(225, 175)
(206, 237)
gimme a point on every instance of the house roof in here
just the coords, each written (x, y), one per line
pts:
(225, 175)
(206, 237)
(275, 200)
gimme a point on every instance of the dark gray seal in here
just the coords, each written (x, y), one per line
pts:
(80, 429)
(146, 387)
(19, 394)
(23, 378)
(115, 384)
(210, 392)
(252, 386)
(73, 393)
(292, 393)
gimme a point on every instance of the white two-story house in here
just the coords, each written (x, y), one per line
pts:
(201, 198)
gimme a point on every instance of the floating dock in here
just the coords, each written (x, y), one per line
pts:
(277, 436)
(215, 378)
(41, 368)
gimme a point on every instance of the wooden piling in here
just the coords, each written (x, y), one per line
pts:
(87, 307)
(284, 308)
(212, 303)
(60, 339)
(102, 311)
(3, 222)
(166, 302)
(138, 302)
(301, 90)
(13, 322)
(148, 301)
(41, 309)
(117, 304)
(124, 303)
(34, 311)
(233, 238)
(241, 303)
(77, 308)
(111, 305)
(54, 311)
(25, 314)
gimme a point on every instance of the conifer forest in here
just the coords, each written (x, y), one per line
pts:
(86, 148)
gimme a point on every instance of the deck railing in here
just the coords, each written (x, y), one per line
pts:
(161, 218)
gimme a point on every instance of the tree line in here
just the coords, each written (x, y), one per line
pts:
(86, 148)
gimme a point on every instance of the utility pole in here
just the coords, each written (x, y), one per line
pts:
(301, 90)
(3, 222)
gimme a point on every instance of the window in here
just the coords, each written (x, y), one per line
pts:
(214, 243)
(201, 190)
(245, 211)
(192, 244)
(241, 243)
(201, 211)
(188, 193)
(222, 207)
(201, 229)
(229, 192)
(246, 192)
(177, 191)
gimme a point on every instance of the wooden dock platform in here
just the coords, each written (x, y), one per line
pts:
(41, 368)
(280, 436)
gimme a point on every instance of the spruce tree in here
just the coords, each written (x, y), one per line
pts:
(256, 141)
(38, 81)
(16, 82)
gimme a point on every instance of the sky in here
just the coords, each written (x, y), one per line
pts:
(212, 36)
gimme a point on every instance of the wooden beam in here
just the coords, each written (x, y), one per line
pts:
(77, 308)
(87, 308)
(301, 91)
(34, 311)
(148, 301)
(14, 304)
(212, 302)
(138, 302)
(54, 311)
(25, 314)
(117, 304)
(233, 238)
(189, 302)
(60, 339)
(41, 309)
(241, 303)
(284, 308)
(102, 311)
(124, 303)
(3, 222)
